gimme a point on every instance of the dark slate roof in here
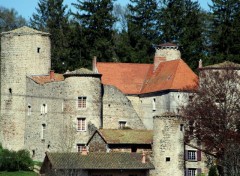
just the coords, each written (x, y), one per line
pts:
(126, 161)
(116, 136)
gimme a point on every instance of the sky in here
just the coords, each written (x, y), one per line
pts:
(27, 7)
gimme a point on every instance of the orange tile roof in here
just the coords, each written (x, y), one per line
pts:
(127, 77)
(42, 79)
(140, 78)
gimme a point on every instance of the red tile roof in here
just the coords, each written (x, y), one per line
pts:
(42, 79)
(140, 78)
(127, 77)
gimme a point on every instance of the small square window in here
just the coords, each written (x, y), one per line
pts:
(80, 147)
(81, 124)
(122, 124)
(82, 102)
(167, 159)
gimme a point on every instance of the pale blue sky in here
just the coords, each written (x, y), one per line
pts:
(27, 7)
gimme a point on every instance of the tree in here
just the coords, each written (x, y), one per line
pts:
(142, 29)
(213, 114)
(9, 19)
(182, 22)
(96, 21)
(52, 17)
(225, 30)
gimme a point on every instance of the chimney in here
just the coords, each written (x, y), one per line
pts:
(143, 158)
(84, 151)
(200, 63)
(94, 64)
(52, 77)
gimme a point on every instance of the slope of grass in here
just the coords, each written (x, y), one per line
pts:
(19, 173)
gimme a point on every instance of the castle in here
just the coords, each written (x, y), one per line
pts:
(45, 111)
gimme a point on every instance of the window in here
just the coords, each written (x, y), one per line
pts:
(191, 172)
(82, 102)
(80, 147)
(38, 50)
(43, 109)
(192, 155)
(122, 124)
(43, 131)
(29, 110)
(167, 159)
(154, 104)
(81, 124)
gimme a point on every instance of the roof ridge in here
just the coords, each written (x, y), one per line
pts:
(176, 70)
(145, 79)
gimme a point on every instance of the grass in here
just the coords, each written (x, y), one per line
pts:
(19, 173)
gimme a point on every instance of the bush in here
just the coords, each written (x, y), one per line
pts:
(15, 161)
(212, 171)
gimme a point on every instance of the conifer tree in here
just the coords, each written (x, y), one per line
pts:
(225, 30)
(96, 20)
(142, 29)
(52, 17)
(182, 22)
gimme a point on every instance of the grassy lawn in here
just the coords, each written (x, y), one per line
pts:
(20, 173)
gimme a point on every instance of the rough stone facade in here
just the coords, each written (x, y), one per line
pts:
(23, 52)
(168, 146)
(116, 108)
(149, 105)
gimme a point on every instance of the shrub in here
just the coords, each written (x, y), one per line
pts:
(15, 161)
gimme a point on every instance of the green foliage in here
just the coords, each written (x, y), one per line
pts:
(182, 22)
(52, 17)
(212, 171)
(224, 31)
(9, 19)
(19, 173)
(15, 161)
(96, 20)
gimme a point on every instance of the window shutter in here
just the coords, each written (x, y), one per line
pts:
(199, 157)
(199, 171)
(186, 155)
(186, 172)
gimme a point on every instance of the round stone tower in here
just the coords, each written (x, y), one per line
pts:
(24, 51)
(166, 52)
(83, 102)
(168, 145)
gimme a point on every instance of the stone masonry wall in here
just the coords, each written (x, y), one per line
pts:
(168, 146)
(117, 107)
(164, 102)
(97, 144)
(60, 132)
(19, 56)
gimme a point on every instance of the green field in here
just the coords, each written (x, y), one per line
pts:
(20, 173)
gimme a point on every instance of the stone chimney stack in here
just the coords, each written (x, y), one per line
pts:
(52, 75)
(166, 52)
(94, 64)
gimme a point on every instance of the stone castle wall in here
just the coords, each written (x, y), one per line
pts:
(168, 146)
(21, 54)
(117, 107)
(60, 119)
(153, 104)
